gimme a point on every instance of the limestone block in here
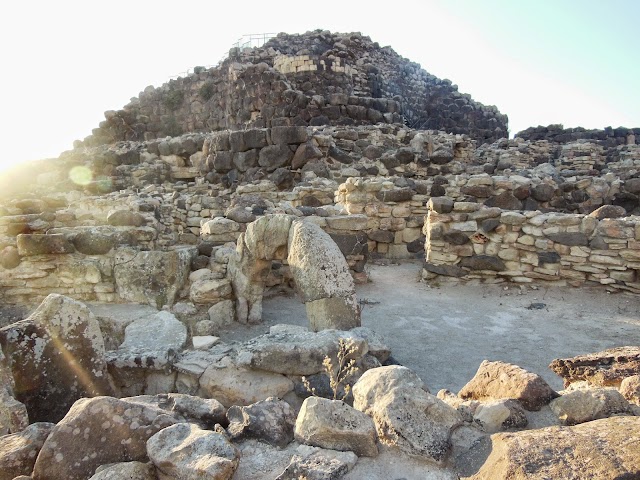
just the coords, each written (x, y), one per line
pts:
(18, 451)
(335, 425)
(219, 226)
(151, 277)
(603, 447)
(111, 430)
(51, 244)
(186, 451)
(39, 349)
(496, 380)
(404, 413)
(234, 385)
(585, 405)
(128, 470)
(210, 290)
(270, 420)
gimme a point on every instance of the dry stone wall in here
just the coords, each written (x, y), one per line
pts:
(468, 241)
(317, 78)
(607, 138)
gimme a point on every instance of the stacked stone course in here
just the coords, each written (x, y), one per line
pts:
(317, 78)
(467, 240)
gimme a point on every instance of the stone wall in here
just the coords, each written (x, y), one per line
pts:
(471, 242)
(607, 138)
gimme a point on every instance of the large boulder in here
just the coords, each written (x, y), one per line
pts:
(155, 351)
(97, 431)
(499, 415)
(18, 452)
(152, 277)
(126, 471)
(585, 405)
(630, 389)
(605, 449)
(208, 289)
(231, 384)
(125, 218)
(335, 425)
(56, 356)
(605, 369)
(13, 414)
(267, 237)
(52, 244)
(321, 273)
(185, 451)
(312, 463)
(497, 380)
(404, 412)
(297, 353)
(269, 420)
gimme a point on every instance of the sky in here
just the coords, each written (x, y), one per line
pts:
(64, 63)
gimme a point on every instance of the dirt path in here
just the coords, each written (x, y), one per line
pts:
(444, 333)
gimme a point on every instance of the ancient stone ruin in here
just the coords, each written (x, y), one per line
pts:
(290, 167)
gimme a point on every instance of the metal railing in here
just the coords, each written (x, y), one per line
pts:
(253, 40)
(250, 40)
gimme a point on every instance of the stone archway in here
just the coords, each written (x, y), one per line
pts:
(319, 270)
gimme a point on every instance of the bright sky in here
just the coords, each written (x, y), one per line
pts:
(65, 62)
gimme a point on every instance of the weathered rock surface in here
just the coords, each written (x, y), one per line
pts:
(185, 451)
(497, 380)
(318, 464)
(270, 420)
(52, 244)
(152, 277)
(125, 218)
(299, 353)
(221, 315)
(126, 471)
(320, 272)
(206, 411)
(335, 425)
(18, 451)
(630, 389)
(585, 405)
(13, 414)
(208, 289)
(265, 239)
(605, 449)
(500, 415)
(606, 369)
(141, 349)
(231, 384)
(404, 413)
(97, 431)
(56, 356)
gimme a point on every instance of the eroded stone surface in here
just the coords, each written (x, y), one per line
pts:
(606, 368)
(18, 451)
(335, 425)
(496, 380)
(187, 452)
(603, 449)
(98, 431)
(404, 413)
(57, 356)
(270, 420)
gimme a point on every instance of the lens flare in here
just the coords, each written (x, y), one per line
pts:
(80, 175)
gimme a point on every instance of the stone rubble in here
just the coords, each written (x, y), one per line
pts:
(288, 167)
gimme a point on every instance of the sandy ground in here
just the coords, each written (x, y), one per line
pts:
(444, 333)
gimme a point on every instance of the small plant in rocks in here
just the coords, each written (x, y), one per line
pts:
(340, 371)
